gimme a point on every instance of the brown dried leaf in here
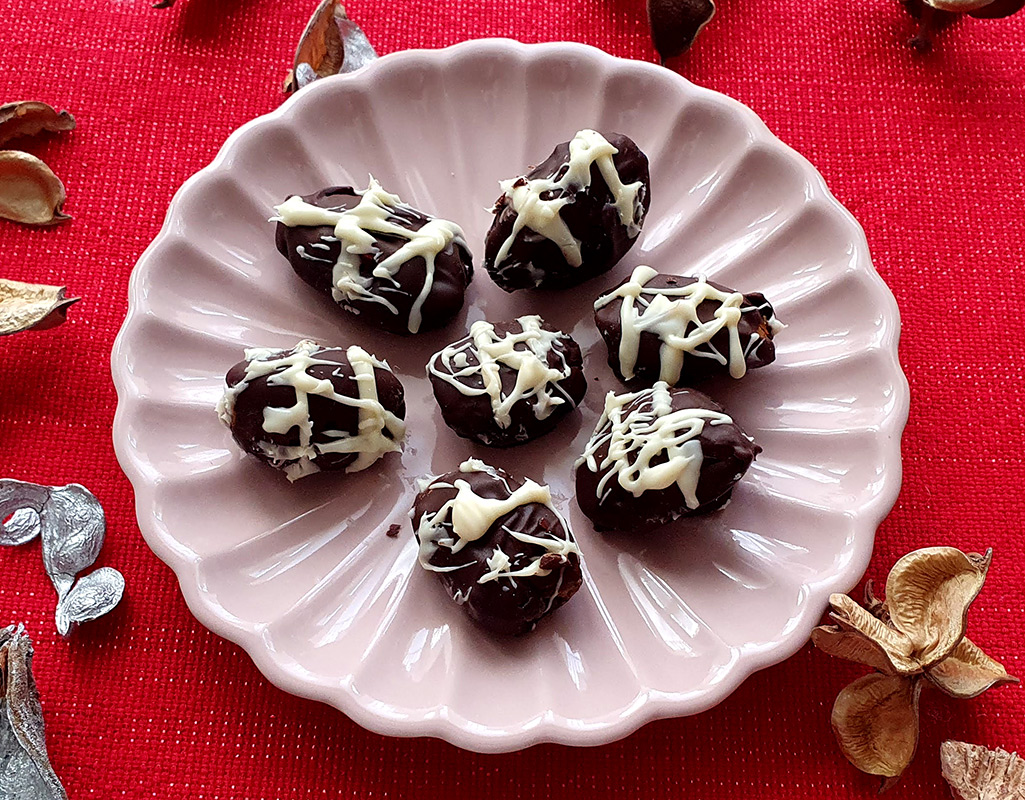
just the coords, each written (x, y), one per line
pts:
(851, 645)
(29, 117)
(875, 720)
(675, 24)
(968, 672)
(29, 191)
(977, 773)
(928, 593)
(332, 43)
(31, 306)
(895, 645)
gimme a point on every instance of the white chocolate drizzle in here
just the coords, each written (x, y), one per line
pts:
(651, 431)
(468, 516)
(541, 214)
(379, 431)
(671, 313)
(525, 352)
(356, 227)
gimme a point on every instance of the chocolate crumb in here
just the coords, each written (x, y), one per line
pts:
(393, 531)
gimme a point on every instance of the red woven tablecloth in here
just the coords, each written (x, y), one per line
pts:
(926, 151)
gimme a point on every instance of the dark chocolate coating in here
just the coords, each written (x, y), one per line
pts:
(472, 417)
(591, 217)
(727, 451)
(502, 605)
(453, 267)
(327, 415)
(695, 368)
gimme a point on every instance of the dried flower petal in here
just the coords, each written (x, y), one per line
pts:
(968, 671)
(895, 645)
(332, 43)
(29, 191)
(74, 527)
(29, 117)
(851, 645)
(32, 306)
(93, 596)
(17, 497)
(25, 717)
(927, 596)
(875, 720)
(978, 773)
(675, 24)
(998, 9)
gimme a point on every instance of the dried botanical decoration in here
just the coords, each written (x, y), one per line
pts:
(30, 117)
(73, 526)
(92, 597)
(29, 191)
(332, 43)
(977, 773)
(917, 631)
(933, 16)
(875, 720)
(675, 24)
(25, 769)
(32, 306)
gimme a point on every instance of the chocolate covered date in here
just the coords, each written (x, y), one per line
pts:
(680, 330)
(572, 217)
(657, 455)
(509, 382)
(314, 408)
(497, 544)
(393, 266)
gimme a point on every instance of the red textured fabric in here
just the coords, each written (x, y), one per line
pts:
(925, 150)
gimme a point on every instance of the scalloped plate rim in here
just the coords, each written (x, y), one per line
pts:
(648, 705)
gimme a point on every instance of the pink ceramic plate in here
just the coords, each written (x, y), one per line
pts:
(304, 577)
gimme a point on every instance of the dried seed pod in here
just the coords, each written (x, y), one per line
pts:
(24, 715)
(22, 527)
(18, 498)
(927, 596)
(73, 526)
(968, 671)
(978, 773)
(29, 117)
(675, 24)
(875, 720)
(853, 646)
(32, 306)
(895, 645)
(29, 191)
(330, 44)
(93, 596)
